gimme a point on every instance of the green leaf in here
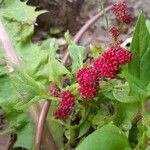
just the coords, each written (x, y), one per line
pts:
(96, 50)
(100, 118)
(68, 38)
(56, 128)
(20, 11)
(148, 25)
(125, 113)
(121, 94)
(25, 137)
(139, 67)
(55, 68)
(108, 137)
(84, 128)
(54, 31)
(77, 54)
(26, 86)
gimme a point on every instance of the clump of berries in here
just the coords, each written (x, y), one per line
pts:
(54, 90)
(107, 65)
(121, 11)
(114, 32)
(88, 79)
(123, 15)
(65, 106)
(109, 62)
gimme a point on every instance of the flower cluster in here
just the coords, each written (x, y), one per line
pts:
(114, 32)
(65, 106)
(106, 65)
(54, 90)
(109, 62)
(121, 11)
(88, 79)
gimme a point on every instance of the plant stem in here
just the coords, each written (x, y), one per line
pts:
(12, 58)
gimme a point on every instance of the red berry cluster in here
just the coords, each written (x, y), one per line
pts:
(121, 11)
(106, 65)
(114, 32)
(66, 105)
(88, 79)
(54, 90)
(110, 61)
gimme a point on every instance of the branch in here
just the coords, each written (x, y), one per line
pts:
(12, 58)
(45, 108)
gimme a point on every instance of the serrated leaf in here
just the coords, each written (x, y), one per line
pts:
(27, 87)
(55, 69)
(19, 11)
(106, 138)
(77, 54)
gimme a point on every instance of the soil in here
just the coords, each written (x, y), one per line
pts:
(74, 16)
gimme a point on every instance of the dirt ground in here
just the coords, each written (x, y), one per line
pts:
(96, 34)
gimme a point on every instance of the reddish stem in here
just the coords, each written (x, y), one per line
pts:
(46, 105)
(8, 48)
(39, 132)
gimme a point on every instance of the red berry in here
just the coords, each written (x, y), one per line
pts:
(107, 64)
(54, 90)
(67, 100)
(61, 113)
(87, 76)
(127, 18)
(121, 11)
(123, 56)
(114, 32)
(88, 92)
(66, 105)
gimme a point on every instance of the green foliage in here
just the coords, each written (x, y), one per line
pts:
(54, 31)
(76, 53)
(25, 134)
(18, 11)
(125, 113)
(96, 50)
(22, 88)
(55, 68)
(108, 137)
(121, 93)
(148, 25)
(139, 67)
